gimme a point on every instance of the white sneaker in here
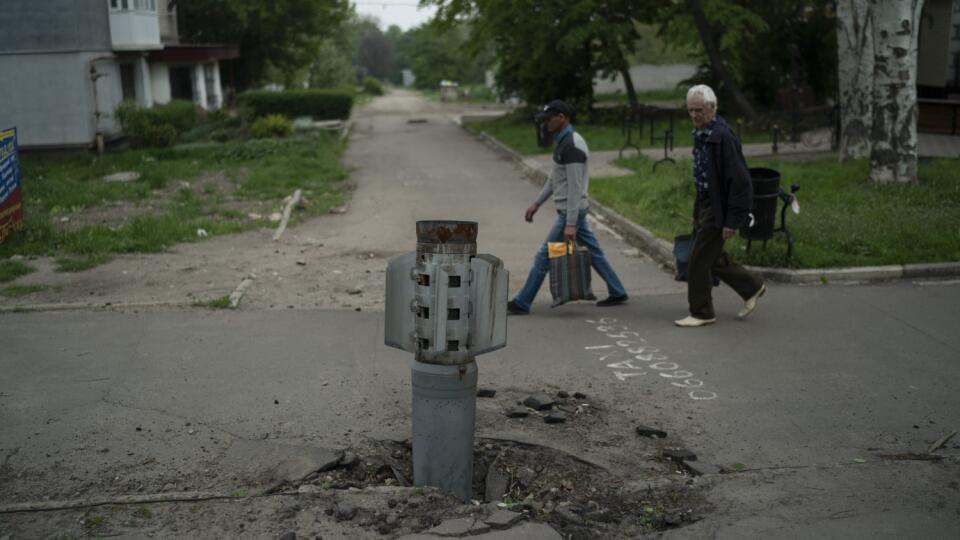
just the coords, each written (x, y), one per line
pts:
(751, 303)
(693, 322)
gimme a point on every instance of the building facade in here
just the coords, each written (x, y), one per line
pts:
(65, 65)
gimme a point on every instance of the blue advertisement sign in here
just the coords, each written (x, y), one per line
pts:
(11, 198)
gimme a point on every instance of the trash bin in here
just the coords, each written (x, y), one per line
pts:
(766, 191)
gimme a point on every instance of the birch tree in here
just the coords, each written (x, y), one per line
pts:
(855, 76)
(877, 71)
(896, 30)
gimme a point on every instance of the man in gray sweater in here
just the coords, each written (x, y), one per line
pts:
(568, 184)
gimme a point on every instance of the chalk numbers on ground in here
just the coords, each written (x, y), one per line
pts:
(629, 355)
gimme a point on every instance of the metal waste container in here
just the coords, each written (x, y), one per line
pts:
(766, 191)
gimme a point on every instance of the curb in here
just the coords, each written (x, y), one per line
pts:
(661, 250)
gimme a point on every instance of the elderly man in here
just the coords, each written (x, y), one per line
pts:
(724, 198)
(568, 185)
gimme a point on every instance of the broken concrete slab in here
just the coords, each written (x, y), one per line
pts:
(453, 527)
(497, 482)
(517, 412)
(555, 418)
(539, 401)
(503, 518)
(486, 392)
(526, 531)
(270, 464)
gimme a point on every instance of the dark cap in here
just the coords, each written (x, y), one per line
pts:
(553, 108)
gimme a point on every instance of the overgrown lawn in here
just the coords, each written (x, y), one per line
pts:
(257, 170)
(844, 220)
(518, 132)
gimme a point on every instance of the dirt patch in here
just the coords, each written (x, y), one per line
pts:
(215, 189)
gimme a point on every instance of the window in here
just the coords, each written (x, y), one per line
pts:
(114, 4)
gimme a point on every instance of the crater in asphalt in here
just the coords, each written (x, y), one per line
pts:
(575, 497)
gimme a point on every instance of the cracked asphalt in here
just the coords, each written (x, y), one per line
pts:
(816, 410)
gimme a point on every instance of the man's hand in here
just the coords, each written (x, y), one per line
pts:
(728, 233)
(531, 210)
(570, 233)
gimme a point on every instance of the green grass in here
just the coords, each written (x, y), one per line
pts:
(16, 291)
(518, 132)
(11, 270)
(222, 302)
(844, 220)
(261, 170)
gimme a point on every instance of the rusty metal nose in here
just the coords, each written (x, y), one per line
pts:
(447, 232)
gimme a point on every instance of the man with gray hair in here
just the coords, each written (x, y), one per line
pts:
(723, 202)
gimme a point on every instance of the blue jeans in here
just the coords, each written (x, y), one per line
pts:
(541, 265)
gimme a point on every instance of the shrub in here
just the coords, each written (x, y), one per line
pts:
(272, 125)
(320, 104)
(161, 136)
(179, 113)
(159, 125)
(372, 86)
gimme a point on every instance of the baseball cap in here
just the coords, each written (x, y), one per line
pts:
(553, 108)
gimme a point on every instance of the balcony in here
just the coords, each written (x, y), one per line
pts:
(134, 25)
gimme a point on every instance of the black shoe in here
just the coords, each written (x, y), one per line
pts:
(613, 301)
(514, 309)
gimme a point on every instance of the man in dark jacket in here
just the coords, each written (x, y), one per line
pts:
(724, 199)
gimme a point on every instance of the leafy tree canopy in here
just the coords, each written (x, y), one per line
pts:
(280, 37)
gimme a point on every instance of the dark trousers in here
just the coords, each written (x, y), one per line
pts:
(708, 259)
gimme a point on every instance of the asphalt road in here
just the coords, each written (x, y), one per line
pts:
(812, 404)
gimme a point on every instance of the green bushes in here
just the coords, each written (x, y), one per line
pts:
(272, 125)
(320, 104)
(159, 125)
(372, 86)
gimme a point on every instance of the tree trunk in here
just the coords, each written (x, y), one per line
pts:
(896, 30)
(855, 76)
(628, 84)
(716, 63)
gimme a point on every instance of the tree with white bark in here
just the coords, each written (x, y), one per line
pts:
(877, 67)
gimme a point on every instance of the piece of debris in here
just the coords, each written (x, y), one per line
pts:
(677, 453)
(939, 443)
(452, 527)
(566, 514)
(579, 395)
(355, 291)
(340, 209)
(563, 394)
(254, 216)
(539, 402)
(417, 121)
(503, 518)
(517, 412)
(202, 233)
(647, 431)
(497, 482)
(125, 176)
(350, 460)
(345, 512)
(555, 418)
(301, 262)
(275, 217)
(288, 536)
(486, 392)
